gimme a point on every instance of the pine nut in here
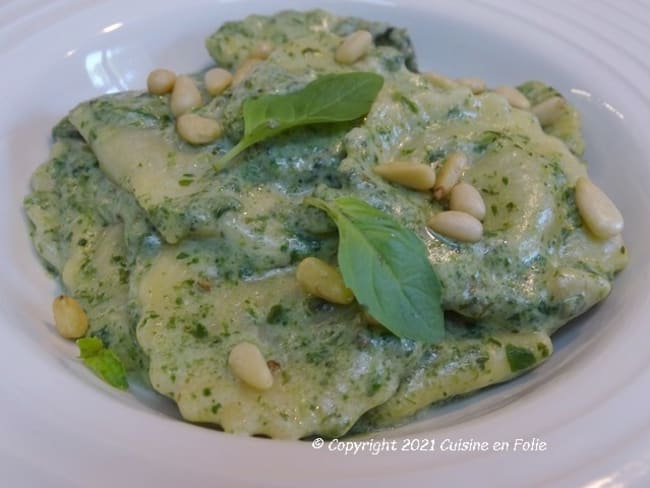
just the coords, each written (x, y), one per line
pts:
(449, 175)
(549, 111)
(198, 130)
(417, 176)
(441, 81)
(70, 318)
(262, 50)
(247, 363)
(161, 81)
(324, 281)
(185, 96)
(515, 98)
(354, 47)
(477, 85)
(245, 69)
(457, 225)
(598, 212)
(216, 80)
(465, 198)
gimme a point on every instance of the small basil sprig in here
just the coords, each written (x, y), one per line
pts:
(103, 362)
(387, 268)
(330, 98)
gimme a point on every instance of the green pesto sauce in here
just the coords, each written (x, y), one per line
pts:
(176, 263)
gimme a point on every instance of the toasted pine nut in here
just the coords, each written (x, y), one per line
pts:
(216, 80)
(417, 176)
(245, 69)
(570, 282)
(324, 281)
(515, 98)
(598, 212)
(441, 81)
(198, 130)
(261, 50)
(457, 225)
(185, 96)
(549, 111)
(465, 198)
(161, 81)
(247, 363)
(477, 85)
(70, 318)
(448, 176)
(354, 47)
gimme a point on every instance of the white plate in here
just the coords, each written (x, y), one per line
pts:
(59, 426)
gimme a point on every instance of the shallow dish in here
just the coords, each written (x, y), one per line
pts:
(582, 417)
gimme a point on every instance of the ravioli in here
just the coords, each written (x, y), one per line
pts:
(176, 262)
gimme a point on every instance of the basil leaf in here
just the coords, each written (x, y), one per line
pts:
(103, 362)
(387, 268)
(330, 98)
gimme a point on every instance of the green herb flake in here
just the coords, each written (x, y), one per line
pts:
(277, 315)
(387, 268)
(492, 340)
(374, 387)
(519, 358)
(103, 362)
(330, 98)
(543, 349)
(403, 99)
(199, 331)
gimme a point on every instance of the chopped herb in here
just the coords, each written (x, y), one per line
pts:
(543, 349)
(519, 358)
(317, 356)
(277, 314)
(103, 362)
(374, 387)
(410, 104)
(481, 360)
(199, 331)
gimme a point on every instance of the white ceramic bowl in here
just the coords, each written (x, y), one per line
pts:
(60, 426)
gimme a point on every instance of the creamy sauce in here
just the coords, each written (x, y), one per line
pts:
(176, 262)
